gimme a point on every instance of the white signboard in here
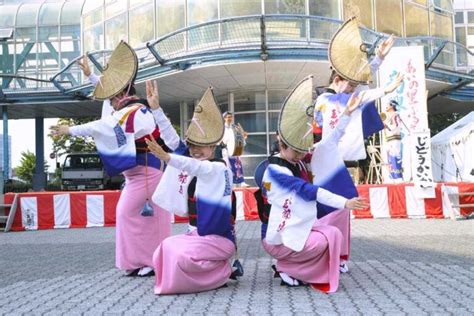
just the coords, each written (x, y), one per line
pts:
(410, 102)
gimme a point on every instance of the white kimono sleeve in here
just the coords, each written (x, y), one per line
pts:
(167, 131)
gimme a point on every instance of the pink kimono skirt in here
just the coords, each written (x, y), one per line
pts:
(191, 263)
(317, 264)
(138, 236)
(342, 220)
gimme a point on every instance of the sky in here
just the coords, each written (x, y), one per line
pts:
(22, 134)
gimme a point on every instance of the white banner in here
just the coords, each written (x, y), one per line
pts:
(409, 114)
(421, 164)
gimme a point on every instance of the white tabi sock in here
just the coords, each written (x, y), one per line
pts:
(288, 280)
(144, 271)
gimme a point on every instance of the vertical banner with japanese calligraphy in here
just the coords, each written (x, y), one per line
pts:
(404, 112)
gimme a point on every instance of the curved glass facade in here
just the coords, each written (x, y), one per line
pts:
(45, 38)
(105, 22)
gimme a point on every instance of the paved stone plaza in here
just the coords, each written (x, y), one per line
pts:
(397, 267)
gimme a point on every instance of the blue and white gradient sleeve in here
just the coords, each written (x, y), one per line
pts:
(167, 131)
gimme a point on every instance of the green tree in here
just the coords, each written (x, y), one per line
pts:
(27, 166)
(69, 144)
(438, 122)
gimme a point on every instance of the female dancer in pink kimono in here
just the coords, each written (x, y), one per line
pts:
(307, 250)
(120, 140)
(200, 259)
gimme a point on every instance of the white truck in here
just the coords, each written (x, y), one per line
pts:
(85, 171)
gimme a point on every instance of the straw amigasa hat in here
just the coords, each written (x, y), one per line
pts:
(207, 125)
(119, 72)
(296, 116)
(348, 54)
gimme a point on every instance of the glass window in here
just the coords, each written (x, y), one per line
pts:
(470, 31)
(231, 8)
(115, 31)
(461, 35)
(459, 18)
(276, 98)
(251, 122)
(71, 13)
(389, 23)
(285, 7)
(422, 2)
(7, 15)
(326, 8)
(25, 34)
(48, 34)
(27, 15)
(200, 11)
(256, 145)
(441, 26)
(470, 17)
(273, 120)
(115, 7)
(169, 16)
(141, 25)
(92, 18)
(90, 5)
(94, 39)
(249, 101)
(443, 4)
(249, 164)
(416, 19)
(134, 3)
(70, 32)
(362, 8)
(49, 14)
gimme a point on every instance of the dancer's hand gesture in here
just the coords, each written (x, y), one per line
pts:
(356, 204)
(84, 64)
(385, 47)
(152, 94)
(392, 86)
(59, 130)
(157, 150)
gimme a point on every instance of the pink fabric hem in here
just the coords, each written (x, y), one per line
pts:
(138, 236)
(191, 263)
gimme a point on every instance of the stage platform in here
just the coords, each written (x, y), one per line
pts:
(48, 210)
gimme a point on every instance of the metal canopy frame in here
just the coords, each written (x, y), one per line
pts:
(247, 38)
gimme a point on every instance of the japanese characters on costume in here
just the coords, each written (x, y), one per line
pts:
(351, 63)
(120, 140)
(201, 189)
(296, 231)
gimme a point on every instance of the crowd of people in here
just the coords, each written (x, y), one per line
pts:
(305, 193)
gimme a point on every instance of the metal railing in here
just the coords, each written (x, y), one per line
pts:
(262, 36)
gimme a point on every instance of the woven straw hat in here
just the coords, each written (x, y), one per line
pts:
(348, 54)
(207, 125)
(119, 72)
(296, 116)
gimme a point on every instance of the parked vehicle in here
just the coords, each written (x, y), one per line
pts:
(85, 171)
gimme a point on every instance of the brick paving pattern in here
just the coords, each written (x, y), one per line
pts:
(398, 267)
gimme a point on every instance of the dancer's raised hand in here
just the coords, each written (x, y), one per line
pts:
(84, 65)
(152, 95)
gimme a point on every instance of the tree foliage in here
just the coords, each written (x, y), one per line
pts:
(68, 144)
(27, 166)
(438, 122)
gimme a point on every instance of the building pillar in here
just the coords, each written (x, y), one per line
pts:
(6, 145)
(39, 176)
(183, 118)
